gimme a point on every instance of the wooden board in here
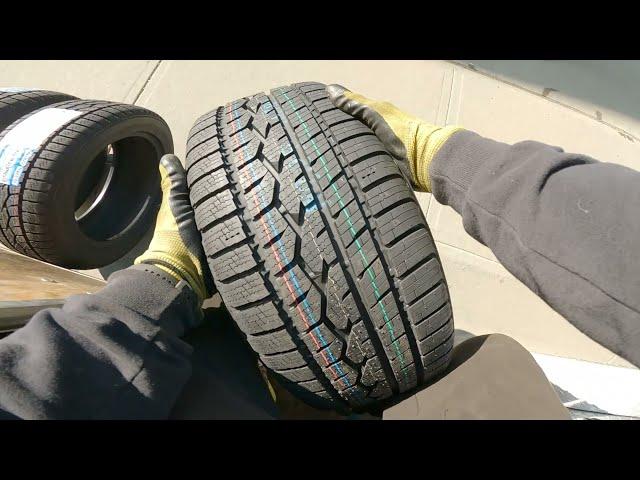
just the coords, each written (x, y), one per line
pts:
(25, 279)
(28, 285)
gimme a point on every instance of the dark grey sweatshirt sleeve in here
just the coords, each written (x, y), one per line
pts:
(112, 354)
(564, 224)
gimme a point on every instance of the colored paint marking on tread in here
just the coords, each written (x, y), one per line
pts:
(279, 255)
(363, 256)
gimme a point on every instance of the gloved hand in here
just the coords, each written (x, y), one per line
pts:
(413, 142)
(176, 247)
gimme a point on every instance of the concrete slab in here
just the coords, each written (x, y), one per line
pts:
(602, 89)
(119, 81)
(181, 91)
(510, 114)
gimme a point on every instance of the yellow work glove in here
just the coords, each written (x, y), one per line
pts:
(413, 142)
(176, 246)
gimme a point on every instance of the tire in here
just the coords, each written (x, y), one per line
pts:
(90, 185)
(319, 248)
(17, 102)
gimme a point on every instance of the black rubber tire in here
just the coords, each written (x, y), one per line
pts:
(14, 105)
(319, 248)
(38, 214)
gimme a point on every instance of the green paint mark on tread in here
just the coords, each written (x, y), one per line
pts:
(365, 261)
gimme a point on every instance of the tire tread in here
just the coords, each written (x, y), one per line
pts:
(308, 191)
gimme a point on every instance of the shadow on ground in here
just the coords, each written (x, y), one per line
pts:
(609, 84)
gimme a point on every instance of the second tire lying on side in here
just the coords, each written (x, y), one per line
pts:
(319, 248)
(79, 181)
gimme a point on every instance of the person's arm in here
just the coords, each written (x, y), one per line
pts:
(116, 353)
(112, 354)
(564, 224)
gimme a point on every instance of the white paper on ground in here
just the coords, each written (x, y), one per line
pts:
(20, 144)
(595, 387)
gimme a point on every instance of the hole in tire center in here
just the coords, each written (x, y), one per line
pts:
(117, 187)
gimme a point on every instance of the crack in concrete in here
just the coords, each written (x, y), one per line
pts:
(153, 71)
(470, 253)
(453, 78)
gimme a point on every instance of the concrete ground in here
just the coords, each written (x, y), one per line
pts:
(587, 107)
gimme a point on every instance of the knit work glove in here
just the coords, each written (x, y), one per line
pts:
(176, 245)
(411, 141)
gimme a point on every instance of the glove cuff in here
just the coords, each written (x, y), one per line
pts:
(428, 141)
(177, 269)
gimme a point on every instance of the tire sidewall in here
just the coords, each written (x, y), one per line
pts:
(71, 242)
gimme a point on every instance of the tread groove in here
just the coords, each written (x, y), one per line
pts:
(417, 266)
